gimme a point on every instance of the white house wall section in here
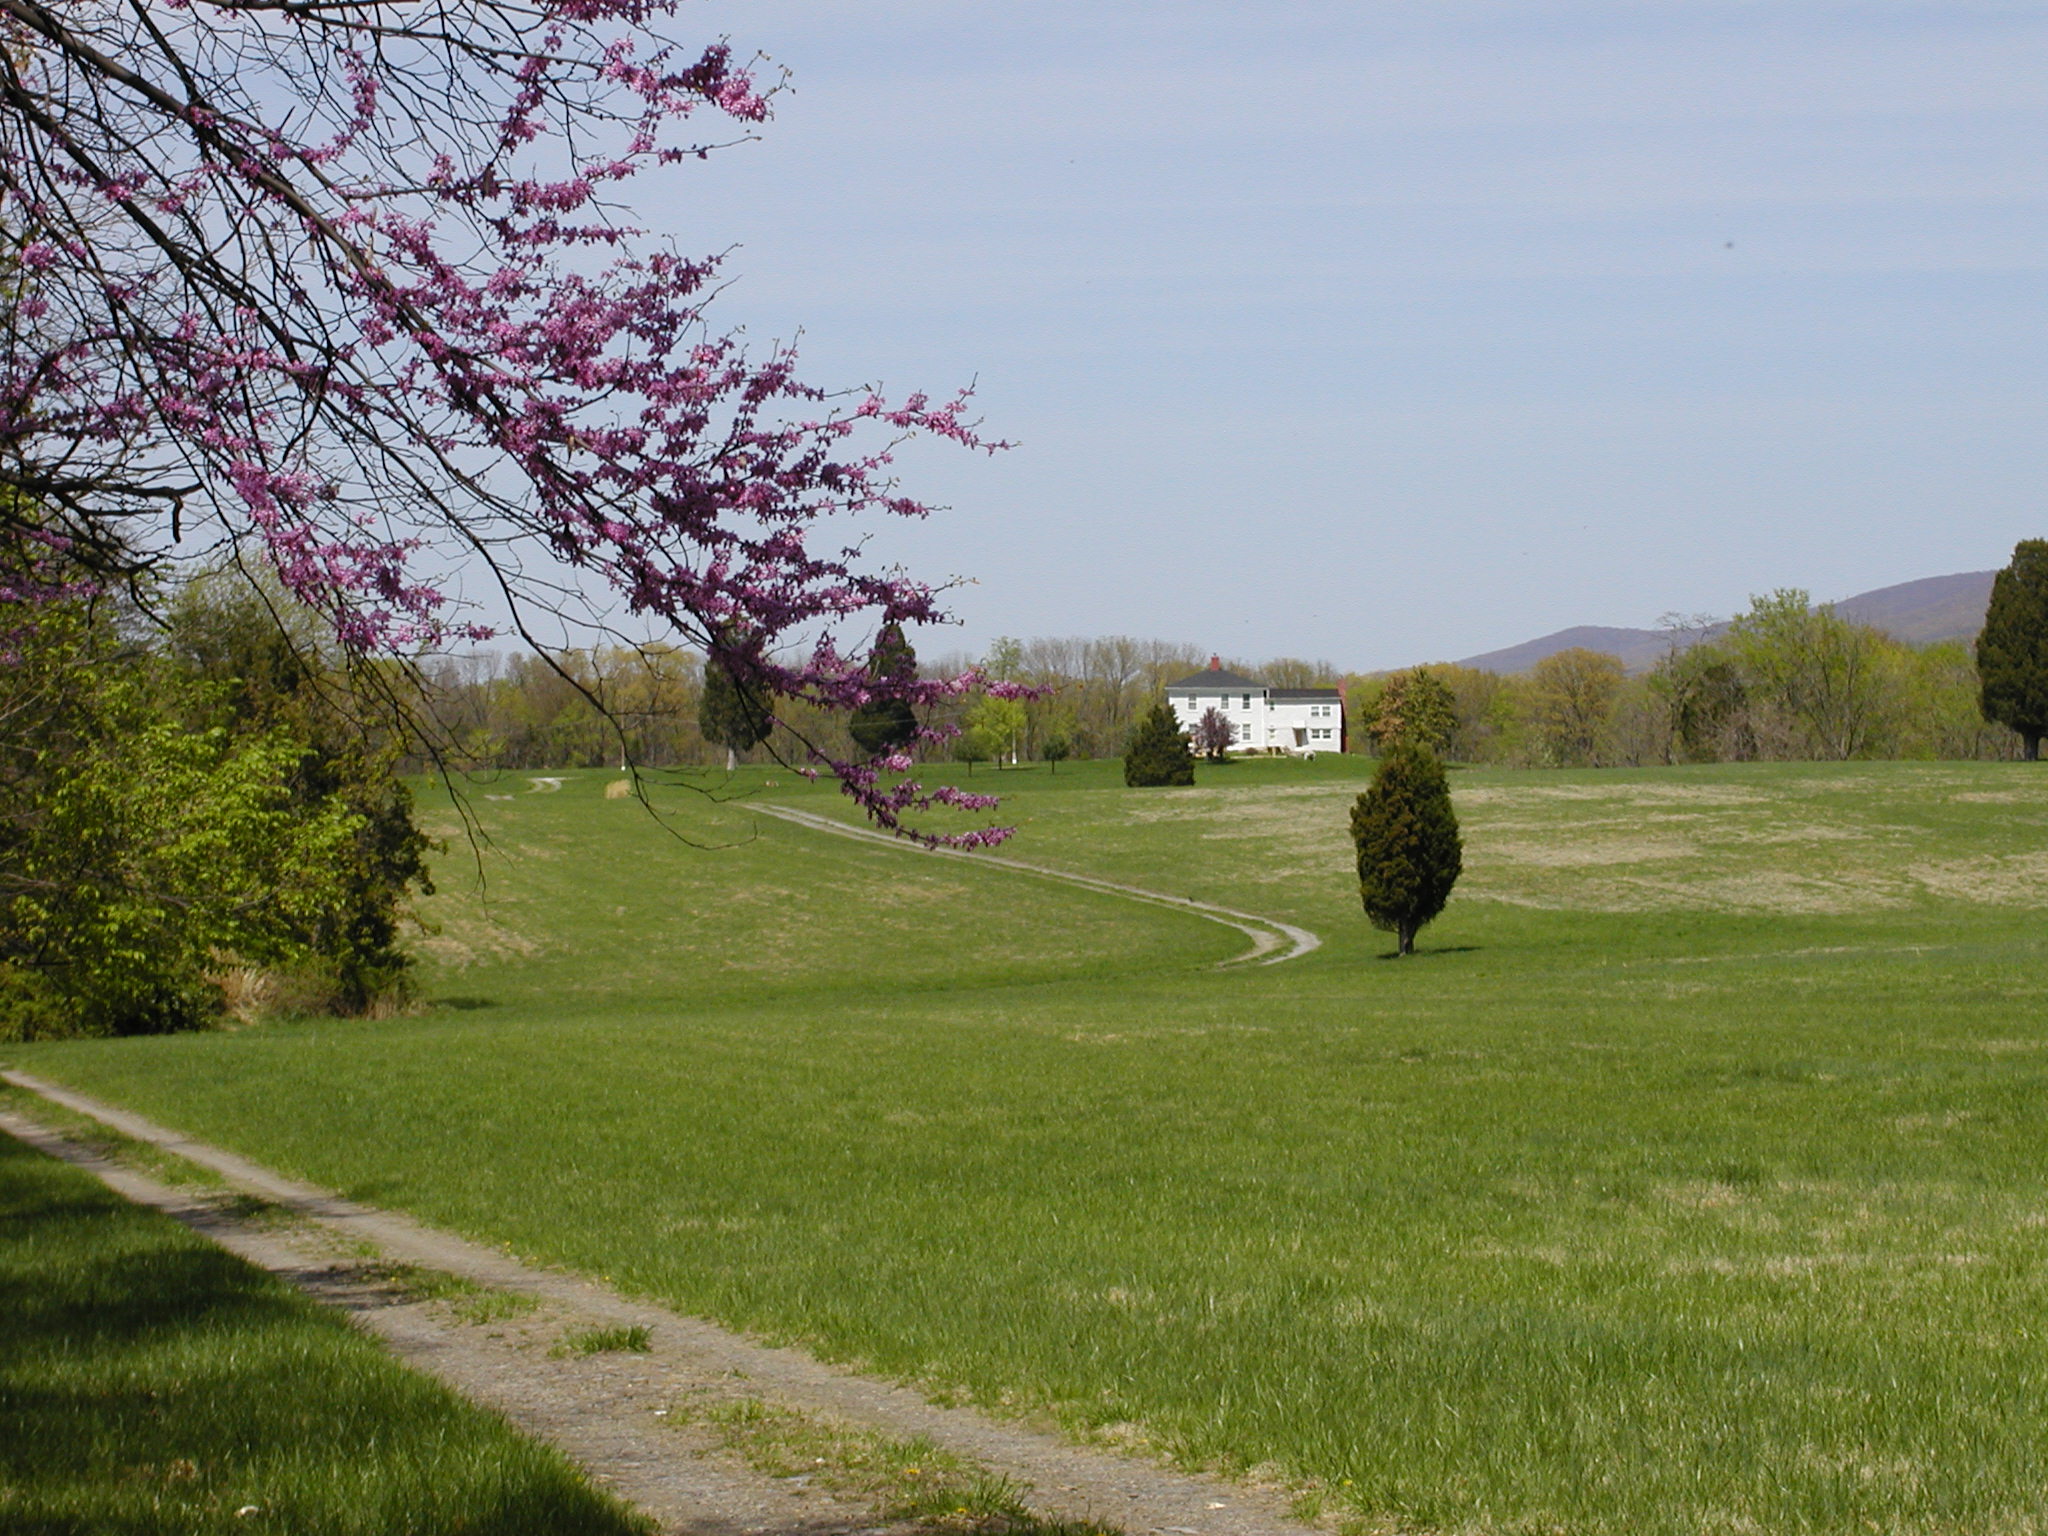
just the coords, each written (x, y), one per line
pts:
(1297, 721)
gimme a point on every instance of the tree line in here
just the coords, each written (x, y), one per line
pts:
(604, 706)
(196, 815)
(1785, 680)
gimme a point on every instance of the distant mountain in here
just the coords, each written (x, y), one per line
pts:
(1917, 612)
(1922, 612)
(1639, 649)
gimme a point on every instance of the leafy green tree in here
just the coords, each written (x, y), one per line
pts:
(1158, 753)
(151, 837)
(1415, 707)
(1406, 836)
(971, 746)
(1707, 701)
(267, 668)
(730, 715)
(1828, 679)
(1055, 749)
(2012, 650)
(1572, 695)
(886, 725)
(997, 722)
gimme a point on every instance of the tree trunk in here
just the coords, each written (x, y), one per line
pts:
(2033, 748)
(1406, 938)
(732, 760)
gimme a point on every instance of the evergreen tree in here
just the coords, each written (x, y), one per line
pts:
(1158, 752)
(731, 716)
(1409, 852)
(886, 724)
(2012, 651)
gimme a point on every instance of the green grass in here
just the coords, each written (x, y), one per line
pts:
(1688, 1178)
(626, 1339)
(465, 1299)
(912, 1480)
(150, 1382)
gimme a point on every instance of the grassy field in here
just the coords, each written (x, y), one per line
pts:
(149, 1382)
(1689, 1178)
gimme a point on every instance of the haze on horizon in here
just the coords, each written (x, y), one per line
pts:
(1380, 332)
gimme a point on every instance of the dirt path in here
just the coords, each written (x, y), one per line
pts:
(635, 1422)
(1267, 934)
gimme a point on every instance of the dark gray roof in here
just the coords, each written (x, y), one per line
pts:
(1296, 695)
(1214, 680)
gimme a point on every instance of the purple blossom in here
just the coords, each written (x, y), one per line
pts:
(431, 330)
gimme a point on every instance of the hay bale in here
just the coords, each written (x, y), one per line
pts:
(618, 789)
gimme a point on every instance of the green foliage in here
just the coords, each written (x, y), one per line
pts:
(995, 724)
(2012, 650)
(1707, 705)
(1056, 749)
(886, 725)
(622, 1338)
(176, 809)
(1417, 708)
(1158, 754)
(266, 667)
(1406, 836)
(1826, 681)
(1572, 701)
(730, 716)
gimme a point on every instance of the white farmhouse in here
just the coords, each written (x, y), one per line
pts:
(1297, 721)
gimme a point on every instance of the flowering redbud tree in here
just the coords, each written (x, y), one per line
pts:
(1213, 734)
(349, 287)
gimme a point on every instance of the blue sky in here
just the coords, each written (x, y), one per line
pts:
(1389, 332)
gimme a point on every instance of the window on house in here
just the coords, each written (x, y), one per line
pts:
(1247, 701)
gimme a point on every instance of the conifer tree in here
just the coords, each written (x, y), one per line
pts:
(886, 724)
(2012, 651)
(730, 716)
(1409, 851)
(1158, 752)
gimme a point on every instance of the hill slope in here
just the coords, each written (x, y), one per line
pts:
(1917, 612)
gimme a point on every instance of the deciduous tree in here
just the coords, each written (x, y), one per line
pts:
(1415, 707)
(1827, 678)
(349, 287)
(1213, 734)
(1573, 695)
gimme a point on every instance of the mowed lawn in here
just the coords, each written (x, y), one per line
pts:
(151, 1383)
(1691, 1177)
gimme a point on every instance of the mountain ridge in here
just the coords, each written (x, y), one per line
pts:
(1920, 612)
